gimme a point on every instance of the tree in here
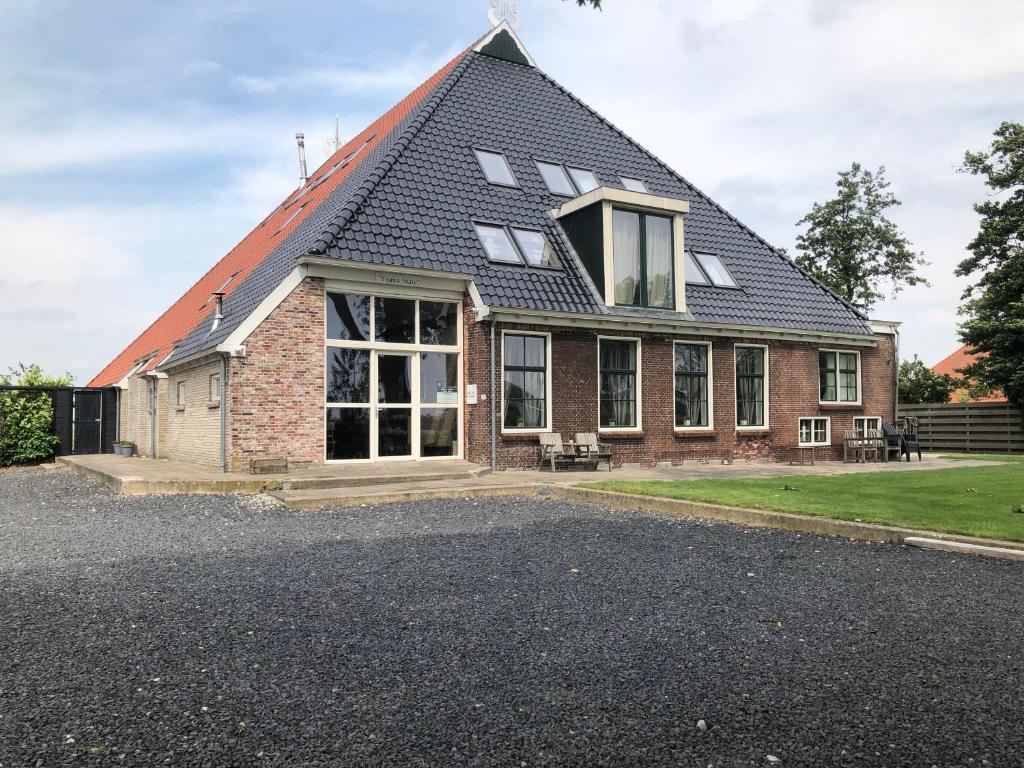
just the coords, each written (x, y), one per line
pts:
(26, 418)
(595, 3)
(993, 307)
(920, 384)
(850, 245)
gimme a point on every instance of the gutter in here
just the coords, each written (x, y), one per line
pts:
(223, 411)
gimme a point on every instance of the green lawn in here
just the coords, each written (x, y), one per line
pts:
(975, 501)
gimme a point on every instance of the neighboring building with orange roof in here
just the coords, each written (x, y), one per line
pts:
(952, 366)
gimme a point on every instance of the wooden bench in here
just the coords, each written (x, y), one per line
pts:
(590, 450)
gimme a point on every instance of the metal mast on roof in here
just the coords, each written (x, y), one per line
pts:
(503, 10)
(334, 143)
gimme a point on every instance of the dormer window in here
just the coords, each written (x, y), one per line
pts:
(642, 258)
(583, 179)
(633, 185)
(631, 244)
(715, 269)
(496, 168)
(556, 179)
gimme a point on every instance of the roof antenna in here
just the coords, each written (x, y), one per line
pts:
(300, 138)
(334, 143)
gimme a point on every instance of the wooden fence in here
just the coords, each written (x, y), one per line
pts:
(974, 427)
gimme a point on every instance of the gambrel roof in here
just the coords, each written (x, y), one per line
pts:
(411, 192)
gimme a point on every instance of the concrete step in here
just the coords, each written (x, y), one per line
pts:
(387, 493)
(1010, 551)
(393, 474)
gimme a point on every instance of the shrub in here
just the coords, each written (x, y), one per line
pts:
(26, 418)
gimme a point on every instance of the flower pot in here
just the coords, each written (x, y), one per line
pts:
(118, 449)
(128, 450)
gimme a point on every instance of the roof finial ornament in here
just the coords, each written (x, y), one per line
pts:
(503, 10)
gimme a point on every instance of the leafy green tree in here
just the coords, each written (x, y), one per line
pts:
(920, 384)
(26, 418)
(851, 247)
(993, 307)
(594, 3)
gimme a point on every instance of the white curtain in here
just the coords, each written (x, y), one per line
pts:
(659, 262)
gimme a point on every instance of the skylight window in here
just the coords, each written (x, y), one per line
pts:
(694, 274)
(498, 244)
(633, 185)
(583, 179)
(535, 247)
(716, 270)
(495, 168)
(556, 179)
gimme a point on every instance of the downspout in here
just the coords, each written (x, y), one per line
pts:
(494, 409)
(896, 367)
(153, 397)
(223, 411)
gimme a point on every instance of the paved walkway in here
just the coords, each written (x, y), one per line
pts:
(388, 481)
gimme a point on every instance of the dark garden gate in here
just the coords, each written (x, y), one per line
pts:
(84, 418)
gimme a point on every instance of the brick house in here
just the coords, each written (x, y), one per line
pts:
(490, 260)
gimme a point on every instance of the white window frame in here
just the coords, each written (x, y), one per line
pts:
(639, 384)
(220, 388)
(547, 384)
(711, 386)
(413, 349)
(866, 419)
(767, 391)
(860, 376)
(813, 443)
(179, 395)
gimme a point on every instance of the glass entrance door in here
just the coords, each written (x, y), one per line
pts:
(394, 409)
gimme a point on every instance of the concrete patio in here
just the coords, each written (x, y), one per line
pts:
(353, 484)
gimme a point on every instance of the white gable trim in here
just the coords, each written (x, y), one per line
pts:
(507, 28)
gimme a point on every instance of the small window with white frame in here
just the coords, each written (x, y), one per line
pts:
(839, 376)
(618, 362)
(815, 430)
(863, 424)
(526, 399)
(693, 389)
(179, 399)
(215, 390)
(751, 386)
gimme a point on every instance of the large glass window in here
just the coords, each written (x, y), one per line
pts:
(495, 168)
(642, 256)
(394, 320)
(348, 375)
(617, 362)
(348, 317)
(525, 375)
(439, 322)
(390, 392)
(750, 390)
(839, 377)
(692, 389)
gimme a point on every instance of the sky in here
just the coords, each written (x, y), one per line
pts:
(140, 141)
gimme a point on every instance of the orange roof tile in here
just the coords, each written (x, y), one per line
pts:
(952, 365)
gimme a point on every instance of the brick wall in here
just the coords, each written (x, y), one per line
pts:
(792, 383)
(193, 426)
(276, 392)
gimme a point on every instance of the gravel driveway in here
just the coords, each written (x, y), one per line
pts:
(223, 631)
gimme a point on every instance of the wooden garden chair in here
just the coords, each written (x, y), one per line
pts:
(591, 451)
(553, 452)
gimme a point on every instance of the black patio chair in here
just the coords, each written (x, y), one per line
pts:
(910, 441)
(893, 441)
